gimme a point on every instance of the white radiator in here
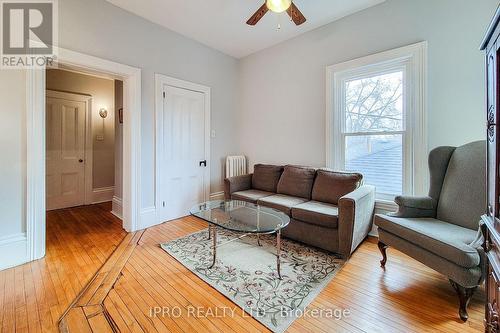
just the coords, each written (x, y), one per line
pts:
(236, 166)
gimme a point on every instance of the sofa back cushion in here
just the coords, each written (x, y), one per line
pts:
(266, 177)
(297, 181)
(330, 186)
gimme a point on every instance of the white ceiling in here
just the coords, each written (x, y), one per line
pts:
(221, 25)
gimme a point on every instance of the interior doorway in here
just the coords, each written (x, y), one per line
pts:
(36, 149)
(83, 139)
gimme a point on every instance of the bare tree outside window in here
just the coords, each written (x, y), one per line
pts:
(375, 104)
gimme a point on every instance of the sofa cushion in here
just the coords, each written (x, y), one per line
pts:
(317, 213)
(297, 181)
(467, 277)
(330, 186)
(281, 202)
(266, 177)
(444, 239)
(250, 195)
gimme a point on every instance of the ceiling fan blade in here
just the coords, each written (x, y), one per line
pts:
(295, 14)
(258, 15)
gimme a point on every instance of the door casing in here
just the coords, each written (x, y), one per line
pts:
(35, 143)
(160, 82)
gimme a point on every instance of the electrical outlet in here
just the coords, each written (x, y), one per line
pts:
(213, 134)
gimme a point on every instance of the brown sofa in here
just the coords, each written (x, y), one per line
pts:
(330, 210)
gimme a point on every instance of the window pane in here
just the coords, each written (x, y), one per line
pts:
(379, 158)
(374, 104)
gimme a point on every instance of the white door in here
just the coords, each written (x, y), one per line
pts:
(181, 149)
(65, 152)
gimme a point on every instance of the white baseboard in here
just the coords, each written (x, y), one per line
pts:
(373, 232)
(148, 217)
(103, 194)
(15, 250)
(117, 207)
(217, 195)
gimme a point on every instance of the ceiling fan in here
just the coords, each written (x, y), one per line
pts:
(278, 6)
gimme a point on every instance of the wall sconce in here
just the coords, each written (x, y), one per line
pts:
(103, 113)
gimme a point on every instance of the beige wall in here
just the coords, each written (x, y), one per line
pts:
(102, 92)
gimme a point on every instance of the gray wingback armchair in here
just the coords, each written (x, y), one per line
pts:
(441, 229)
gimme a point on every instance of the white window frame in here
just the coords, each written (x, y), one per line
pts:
(412, 60)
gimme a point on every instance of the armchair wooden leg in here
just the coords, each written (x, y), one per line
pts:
(464, 296)
(382, 247)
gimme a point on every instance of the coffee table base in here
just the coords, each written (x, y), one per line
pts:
(212, 234)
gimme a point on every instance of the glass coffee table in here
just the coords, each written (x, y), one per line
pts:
(241, 217)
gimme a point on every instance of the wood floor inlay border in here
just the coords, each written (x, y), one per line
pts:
(87, 313)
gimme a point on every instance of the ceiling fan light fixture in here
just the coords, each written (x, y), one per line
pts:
(278, 6)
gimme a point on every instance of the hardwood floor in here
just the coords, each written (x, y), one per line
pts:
(79, 240)
(406, 297)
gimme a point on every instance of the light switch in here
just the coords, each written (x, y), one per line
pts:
(99, 137)
(213, 134)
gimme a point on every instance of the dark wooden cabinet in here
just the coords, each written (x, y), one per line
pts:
(491, 220)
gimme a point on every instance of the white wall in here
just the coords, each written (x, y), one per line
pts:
(98, 28)
(13, 148)
(271, 105)
(282, 89)
(13, 250)
(101, 29)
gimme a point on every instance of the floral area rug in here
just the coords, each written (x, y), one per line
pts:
(246, 273)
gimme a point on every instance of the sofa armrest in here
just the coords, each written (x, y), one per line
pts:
(415, 207)
(235, 184)
(355, 218)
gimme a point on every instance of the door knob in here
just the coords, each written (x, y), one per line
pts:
(80, 160)
(204, 163)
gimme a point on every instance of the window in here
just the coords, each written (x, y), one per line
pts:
(376, 120)
(374, 129)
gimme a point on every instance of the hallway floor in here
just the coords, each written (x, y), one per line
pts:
(79, 240)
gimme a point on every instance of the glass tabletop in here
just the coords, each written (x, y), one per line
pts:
(241, 216)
